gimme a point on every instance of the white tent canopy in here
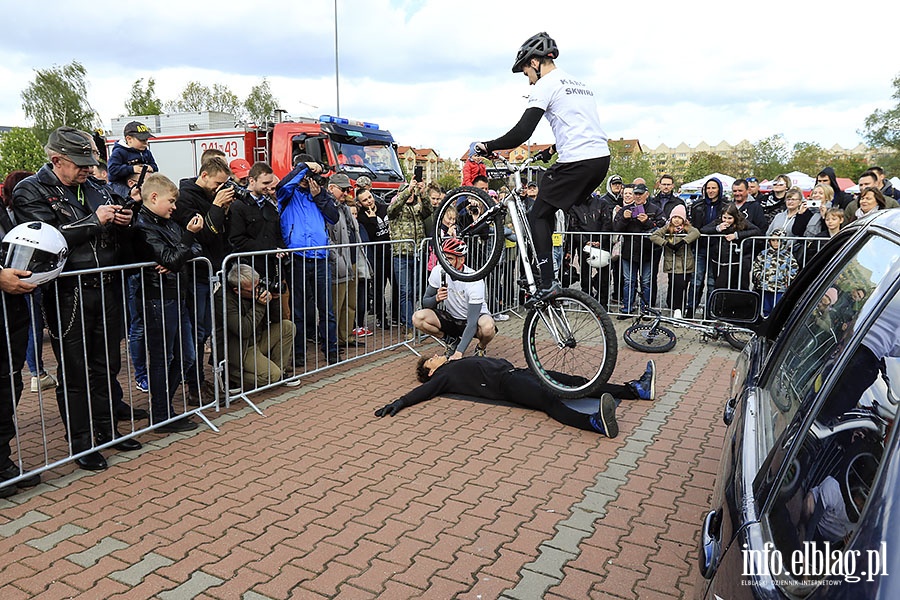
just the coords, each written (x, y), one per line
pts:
(697, 184)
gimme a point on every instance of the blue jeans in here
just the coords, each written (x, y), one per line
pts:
(136, 326)
(35, 358)
(631, 269)
(404, 271)
(701, 278)
(168, 327)
(769, 300)
(310, 294)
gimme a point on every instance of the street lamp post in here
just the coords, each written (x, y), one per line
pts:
(337, 76)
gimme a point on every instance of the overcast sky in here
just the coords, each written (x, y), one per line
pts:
(437, 73)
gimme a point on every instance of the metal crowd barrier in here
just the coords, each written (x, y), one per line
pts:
(635, 262)
(91, 318)
(331, 315)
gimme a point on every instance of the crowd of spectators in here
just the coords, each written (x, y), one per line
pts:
(309, 281)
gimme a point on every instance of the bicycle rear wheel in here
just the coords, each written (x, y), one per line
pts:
(464, 209)
(738, 339)
(570, 344)
(650, 338)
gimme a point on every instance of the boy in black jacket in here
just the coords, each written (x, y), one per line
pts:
(159, 239)
(130, 156)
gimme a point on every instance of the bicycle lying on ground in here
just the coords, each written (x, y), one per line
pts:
(647, 334)
(569, 341)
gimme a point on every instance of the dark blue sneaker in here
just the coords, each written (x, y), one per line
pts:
(604, 420)
(645, 387)
(142, 384)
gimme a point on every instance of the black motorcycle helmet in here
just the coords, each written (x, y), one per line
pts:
(539, 45)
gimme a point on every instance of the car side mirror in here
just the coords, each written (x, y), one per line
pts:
(735, 306)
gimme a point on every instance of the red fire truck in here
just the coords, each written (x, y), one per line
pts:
(355, 147)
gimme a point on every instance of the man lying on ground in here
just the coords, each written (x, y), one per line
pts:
(498, 379)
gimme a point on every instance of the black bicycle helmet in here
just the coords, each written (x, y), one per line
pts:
(539, 45)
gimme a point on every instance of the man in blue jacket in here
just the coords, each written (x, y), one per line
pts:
(305, 207)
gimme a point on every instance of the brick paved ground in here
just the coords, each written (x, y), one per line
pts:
(449, 499)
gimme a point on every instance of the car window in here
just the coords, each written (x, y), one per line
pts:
(807, 353)
(816, 479)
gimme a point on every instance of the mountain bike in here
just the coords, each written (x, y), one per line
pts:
(653, 337)
(569, 342)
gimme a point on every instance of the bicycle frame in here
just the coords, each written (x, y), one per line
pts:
(516, 208)
(712, 329)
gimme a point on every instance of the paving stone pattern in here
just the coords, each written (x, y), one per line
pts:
(449, 499)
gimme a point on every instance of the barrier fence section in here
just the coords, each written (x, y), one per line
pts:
(111, 330)
(284, 314)
(670, 273)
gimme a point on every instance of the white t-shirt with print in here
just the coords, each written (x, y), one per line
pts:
(460, 294)
(571, 109)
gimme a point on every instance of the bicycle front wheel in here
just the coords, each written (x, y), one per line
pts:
(570, 344)
(650, 338)
(462, 215)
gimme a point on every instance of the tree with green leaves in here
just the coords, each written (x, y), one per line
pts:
(56, 97)
(702, 164)
(195, 97)
(260, 103)
(770, 156)
(143, 100)
(629, 166)
(882, 127)
(808, 158)
(222, 99)
(21, 150)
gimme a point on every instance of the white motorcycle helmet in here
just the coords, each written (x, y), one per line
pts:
(35, 247)
(597, 257)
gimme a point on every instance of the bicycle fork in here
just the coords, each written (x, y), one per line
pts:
(555, 320)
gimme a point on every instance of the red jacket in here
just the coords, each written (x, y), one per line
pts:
(471, 170)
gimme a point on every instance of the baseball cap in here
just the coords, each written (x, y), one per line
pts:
(531, 184)
(74, 144)
(340, 180)
(363, 181)
(640, 189)
(240, 168)
(138, 130)
(615, 179)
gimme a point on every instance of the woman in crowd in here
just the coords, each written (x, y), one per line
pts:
(784, 220)
(870, 200)
(774, 201)
(677, 238)
(372, 216)
(637, 217)
(728, 256)
(707, 209)
(810, 219)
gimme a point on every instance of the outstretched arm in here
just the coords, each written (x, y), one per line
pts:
(434, 387)
(520, 133)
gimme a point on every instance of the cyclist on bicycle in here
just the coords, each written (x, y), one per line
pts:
(583, 160)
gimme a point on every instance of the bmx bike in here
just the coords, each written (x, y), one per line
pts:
(648, 334)
(569, 342)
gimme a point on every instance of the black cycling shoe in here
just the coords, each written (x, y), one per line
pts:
(543, 296)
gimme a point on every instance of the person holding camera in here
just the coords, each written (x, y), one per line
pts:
(254, 224)
(260, 342)
(343, 260)
(406, 215)
(165, 312)
(209, 195)
(305, 207)
(82, 312)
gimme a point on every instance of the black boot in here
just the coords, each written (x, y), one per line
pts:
(104, 435)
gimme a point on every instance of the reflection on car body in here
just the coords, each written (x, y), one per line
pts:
(804, 504)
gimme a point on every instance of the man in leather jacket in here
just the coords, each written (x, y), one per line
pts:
(82, 313)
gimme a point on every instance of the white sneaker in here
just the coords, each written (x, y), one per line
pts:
(501, 317)
(43, 382)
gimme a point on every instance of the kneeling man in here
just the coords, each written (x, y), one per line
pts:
(465, 314)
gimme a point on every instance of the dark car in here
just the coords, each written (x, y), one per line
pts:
(807, 499)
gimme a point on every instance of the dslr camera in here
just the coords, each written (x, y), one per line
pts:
(273, 286)
(240, 192)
